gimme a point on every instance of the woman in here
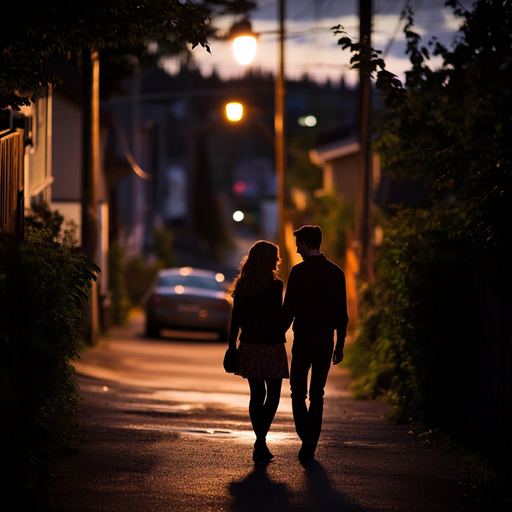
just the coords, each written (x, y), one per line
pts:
(257, 302)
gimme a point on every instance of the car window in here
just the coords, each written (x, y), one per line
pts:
(193, 281)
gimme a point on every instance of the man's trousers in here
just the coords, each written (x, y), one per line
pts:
(313, 354)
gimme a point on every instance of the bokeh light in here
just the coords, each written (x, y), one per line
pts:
(308, 121)
(244, 48)
(234, 111)
(238, 216)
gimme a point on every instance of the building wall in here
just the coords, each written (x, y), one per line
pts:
(36, 121)
(345, 171)
(66, 150)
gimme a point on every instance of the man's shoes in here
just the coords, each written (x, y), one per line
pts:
(307, 451)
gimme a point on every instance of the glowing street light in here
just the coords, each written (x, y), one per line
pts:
(244, 48)
(244, 41)
(234, 111)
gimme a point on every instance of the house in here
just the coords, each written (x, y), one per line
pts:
(41, 163)
(339, 161)
(67, 171)
(26, 159)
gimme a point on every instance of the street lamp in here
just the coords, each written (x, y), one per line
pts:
(243, 28)
(234, 111)
(244, 41)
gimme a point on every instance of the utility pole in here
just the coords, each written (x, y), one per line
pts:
(279, 126)
(365, 158)
(90, 177)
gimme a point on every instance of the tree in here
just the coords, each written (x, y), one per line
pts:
(435, 335)
(456, 131)
(58, 27)
(452, 126)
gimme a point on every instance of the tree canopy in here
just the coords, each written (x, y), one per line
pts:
(452, 126)
(29, 40)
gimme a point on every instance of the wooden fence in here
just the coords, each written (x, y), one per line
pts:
(11, 183)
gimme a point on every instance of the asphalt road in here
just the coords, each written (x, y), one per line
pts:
(168, 430)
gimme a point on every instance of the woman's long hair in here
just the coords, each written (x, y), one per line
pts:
(258, 270)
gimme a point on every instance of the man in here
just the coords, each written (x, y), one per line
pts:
(316, 303)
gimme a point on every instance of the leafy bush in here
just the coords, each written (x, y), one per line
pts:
(163, 240)
(138, 278)
(422, 335)
(42, 287)
(139, 273)
(416, 318)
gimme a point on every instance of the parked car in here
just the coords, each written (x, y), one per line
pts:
(187, 298)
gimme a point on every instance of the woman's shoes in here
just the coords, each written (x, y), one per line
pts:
(261, 453)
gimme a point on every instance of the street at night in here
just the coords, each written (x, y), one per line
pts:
(168, 430)
(272, 174)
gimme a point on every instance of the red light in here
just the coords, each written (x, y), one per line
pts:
(239, 187)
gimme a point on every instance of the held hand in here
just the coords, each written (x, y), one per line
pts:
(337, 356)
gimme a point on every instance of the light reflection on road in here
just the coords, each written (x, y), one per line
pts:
(239, 435)
(180, 401)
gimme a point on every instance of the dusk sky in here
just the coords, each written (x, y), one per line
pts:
(311, 47)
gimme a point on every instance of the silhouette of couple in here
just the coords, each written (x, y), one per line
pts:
(315, 301)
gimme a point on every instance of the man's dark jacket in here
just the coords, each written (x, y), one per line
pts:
(316, 300)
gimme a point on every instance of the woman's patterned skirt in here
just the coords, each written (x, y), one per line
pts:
(263, 361)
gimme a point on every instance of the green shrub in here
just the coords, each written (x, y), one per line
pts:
(163, 240)
(42, 287)
(415, 335)
(139, 274)
(138, 278)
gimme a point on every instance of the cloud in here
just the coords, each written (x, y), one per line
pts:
(311, 47)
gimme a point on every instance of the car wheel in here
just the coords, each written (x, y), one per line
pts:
(152, 331)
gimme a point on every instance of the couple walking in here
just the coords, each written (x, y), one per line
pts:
(315, 302)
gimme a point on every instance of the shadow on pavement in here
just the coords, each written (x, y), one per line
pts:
(320, 493)
(257, 492)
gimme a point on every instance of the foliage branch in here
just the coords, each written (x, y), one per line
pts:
(129, 31)
(451, 126)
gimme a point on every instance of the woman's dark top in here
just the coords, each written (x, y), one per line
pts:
(259, 317)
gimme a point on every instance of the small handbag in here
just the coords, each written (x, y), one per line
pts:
(231, 360)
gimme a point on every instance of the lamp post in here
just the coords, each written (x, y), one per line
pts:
(279, 119)
(279, 124)
(90, 179)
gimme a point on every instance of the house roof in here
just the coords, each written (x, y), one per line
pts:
(334, 150)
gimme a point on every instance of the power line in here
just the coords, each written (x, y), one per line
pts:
(397, 27)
